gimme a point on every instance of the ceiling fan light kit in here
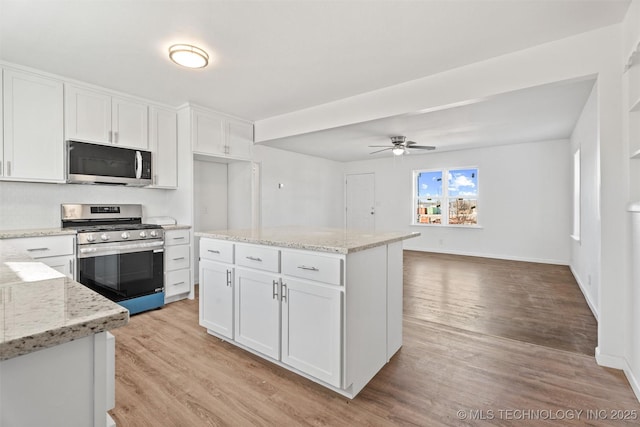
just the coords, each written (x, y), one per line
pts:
(400, 145)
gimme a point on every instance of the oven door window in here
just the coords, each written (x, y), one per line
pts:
(127, 274)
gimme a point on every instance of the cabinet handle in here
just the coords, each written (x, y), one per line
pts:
(110, 136)
(178, 259)
(275, 289)
(304, 267)
(213, 252)
(182, 237)
(115, 137)
(252, 258)
(176, 284)
(228, 277)
(8, 168)
(71, 267)
(283, 297)
(37, 249)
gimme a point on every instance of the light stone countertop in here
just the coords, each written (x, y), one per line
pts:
(36, 232)
(176, 227)
(333, 240)
(41, 308)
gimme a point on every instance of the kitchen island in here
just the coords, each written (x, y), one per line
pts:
(56, 358)
(324, 303)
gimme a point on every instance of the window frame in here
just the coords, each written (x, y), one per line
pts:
(444, 199)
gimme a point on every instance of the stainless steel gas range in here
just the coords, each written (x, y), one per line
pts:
(117, 255)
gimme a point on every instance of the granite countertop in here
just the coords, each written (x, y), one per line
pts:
(334, 240)
(35, 232)
(41, 308)
(176, 227)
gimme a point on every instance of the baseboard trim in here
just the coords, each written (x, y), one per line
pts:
(492, 256)
(586, 294)
(621, 363)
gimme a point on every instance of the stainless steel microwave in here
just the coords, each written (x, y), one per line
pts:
(105, 164)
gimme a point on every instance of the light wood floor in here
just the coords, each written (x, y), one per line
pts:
(499, 340)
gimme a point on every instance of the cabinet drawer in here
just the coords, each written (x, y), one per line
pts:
(176, 257)
(312, 266)
(42, 247)
(216, 250)
(177, 282)
(176, 237)
(260, 257)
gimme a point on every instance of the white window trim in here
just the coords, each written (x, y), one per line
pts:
(445, 198)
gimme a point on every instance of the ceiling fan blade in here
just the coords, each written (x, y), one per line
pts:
(384, 149)
(410, 143)
(423, 147)
(379, 146)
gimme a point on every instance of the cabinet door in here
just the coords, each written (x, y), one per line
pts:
(312, 329)
(130, 123)
(216, 297)
(208, 133)
(63, 264)
(33, 130)
(240, 139)
(257, 312)
(87, 115)
(163, 142)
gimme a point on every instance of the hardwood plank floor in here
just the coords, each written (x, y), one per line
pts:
(170, 372)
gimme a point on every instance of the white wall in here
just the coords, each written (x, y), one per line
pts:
(524, 205)
(312, 194)
(36, 205)
(585, 254)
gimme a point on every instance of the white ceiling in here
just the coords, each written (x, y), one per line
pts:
(542, 113)
(275, 57)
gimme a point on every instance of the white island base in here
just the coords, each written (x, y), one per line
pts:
(332, 314)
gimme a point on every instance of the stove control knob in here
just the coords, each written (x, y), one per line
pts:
(91, 238)
(154, 233)
(104, 236)
(125, 235)
(143, 234)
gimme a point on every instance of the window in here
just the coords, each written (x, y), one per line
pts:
(455, 203)
(576, 195)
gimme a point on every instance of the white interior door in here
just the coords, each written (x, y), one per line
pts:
(360, 203)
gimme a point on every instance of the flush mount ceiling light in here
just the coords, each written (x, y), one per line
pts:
(188, 56)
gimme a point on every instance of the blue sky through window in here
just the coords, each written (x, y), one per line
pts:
(430, 184)
(463, 183)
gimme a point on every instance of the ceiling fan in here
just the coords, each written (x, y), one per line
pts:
(400, 145)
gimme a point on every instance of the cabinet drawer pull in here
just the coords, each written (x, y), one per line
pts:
(275, 289)
(178, 238)
(283, 297)
(178, 283)
(213, 252)
(37, 249)
(253, 258)
(178, 259)
(304, 267)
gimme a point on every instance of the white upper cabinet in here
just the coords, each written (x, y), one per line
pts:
(33, 134)
(163, 143)
(218, 135)
(96, 116)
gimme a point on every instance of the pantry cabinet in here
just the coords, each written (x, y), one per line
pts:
(32, 146)
(95, 116)
(163, 143)
(215, 134)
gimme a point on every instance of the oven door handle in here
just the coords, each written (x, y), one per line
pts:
(116, 249)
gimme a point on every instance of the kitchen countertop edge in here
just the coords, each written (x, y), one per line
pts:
(291, 243)
(36, 232)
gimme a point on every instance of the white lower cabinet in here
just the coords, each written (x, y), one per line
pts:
(257, 311)
(177, 265)
(216, 297)
(58, 252)
(311, 329)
